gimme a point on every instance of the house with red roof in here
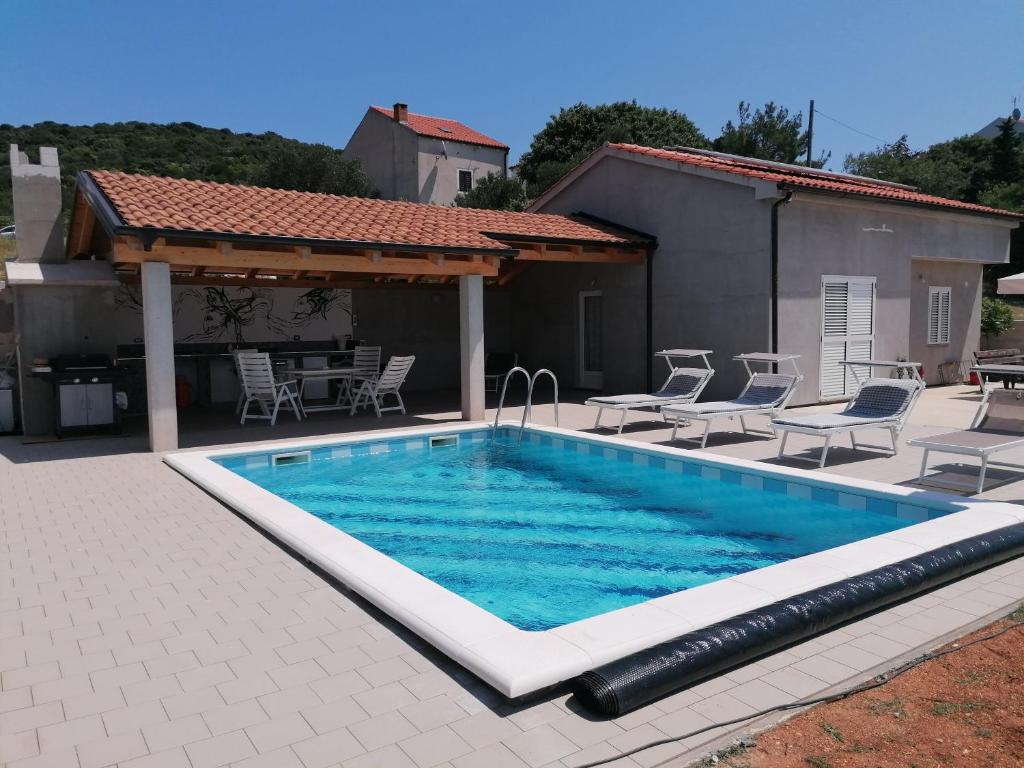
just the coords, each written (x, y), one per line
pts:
(423, 159)
(761, 256)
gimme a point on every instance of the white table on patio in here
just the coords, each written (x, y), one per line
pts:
(343, 375)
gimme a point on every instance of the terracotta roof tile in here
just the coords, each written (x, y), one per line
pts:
(443, 128)
(809, 178)
(203, 206)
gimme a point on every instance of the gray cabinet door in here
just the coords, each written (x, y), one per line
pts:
(101, 403)
(74, 405)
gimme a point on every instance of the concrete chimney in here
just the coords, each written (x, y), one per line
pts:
(39, 234)
(401, 113)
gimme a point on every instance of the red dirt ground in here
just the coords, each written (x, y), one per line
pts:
(966, 709)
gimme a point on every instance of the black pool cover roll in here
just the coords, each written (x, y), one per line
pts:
(620, 686)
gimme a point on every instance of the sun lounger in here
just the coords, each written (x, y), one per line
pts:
(765, 394)
(878, 404)
(683, 385)
(998, 426)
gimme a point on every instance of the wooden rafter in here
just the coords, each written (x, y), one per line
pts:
(226, 256)
(578, 253)
(517, 268)
(83, 223)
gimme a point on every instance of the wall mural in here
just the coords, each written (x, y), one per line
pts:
(243, 315)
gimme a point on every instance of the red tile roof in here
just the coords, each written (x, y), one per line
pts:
(443, 128)
(807, 178)
(204, 206)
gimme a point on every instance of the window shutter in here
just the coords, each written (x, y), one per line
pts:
(939, 300)
(861, 306)
(835, 298)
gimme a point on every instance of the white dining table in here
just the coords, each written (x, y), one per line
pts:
(342, 402)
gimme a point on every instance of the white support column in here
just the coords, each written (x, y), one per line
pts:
(471, 336)
(158, 332)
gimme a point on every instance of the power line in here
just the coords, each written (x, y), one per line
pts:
(877, 682)
(850, 127)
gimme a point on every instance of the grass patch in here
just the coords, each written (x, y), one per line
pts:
(1018, 614)
(945, 708)
(832, 731)
(971, 677)
(893, 707)
(816, 761)
(726, 758)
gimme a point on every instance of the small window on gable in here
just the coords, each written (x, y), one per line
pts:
(938, 315)
(465, 181)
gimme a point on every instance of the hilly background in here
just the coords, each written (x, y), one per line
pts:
(183, 150)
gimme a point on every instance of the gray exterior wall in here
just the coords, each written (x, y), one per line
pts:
(545, 322)
(819, 236)
(426, 324)
(388, 153)
(964, 280)
(53, 321)
(438, 175)
(405, 166)
(710, 271)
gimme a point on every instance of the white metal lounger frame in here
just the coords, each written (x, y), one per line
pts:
(982, 453)
(683, 416)
(893, 425)
(656, 403)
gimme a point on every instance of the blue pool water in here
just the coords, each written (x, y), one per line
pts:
(542, 536)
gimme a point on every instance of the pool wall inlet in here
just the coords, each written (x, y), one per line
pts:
(517, 662)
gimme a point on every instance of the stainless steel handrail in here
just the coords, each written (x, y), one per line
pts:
(527, 411)
(504, 387)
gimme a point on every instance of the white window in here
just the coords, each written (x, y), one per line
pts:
(847, 331)
(938, 315)
(465, 180)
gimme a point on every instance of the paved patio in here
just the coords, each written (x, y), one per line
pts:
(142, 623)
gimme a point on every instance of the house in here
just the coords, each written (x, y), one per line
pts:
(761, 256)
(423, 159)
(635, 250)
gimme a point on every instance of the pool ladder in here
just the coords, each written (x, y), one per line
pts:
(530, 381)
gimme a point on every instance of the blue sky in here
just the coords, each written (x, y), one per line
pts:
(307, 70)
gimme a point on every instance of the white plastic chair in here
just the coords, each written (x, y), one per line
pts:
(388, 383)
(260, 387)
(238, 372)
(365, 365)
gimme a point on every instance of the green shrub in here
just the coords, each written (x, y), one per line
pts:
(996, 317)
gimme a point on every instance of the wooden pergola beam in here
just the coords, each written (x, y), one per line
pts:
(242, 260)
(182, 278)
(603, 255)
(84, 221)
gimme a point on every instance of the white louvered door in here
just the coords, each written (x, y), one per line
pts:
(847, 332)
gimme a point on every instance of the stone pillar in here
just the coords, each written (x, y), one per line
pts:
(39, 234)
(158, 333)
(471, 337)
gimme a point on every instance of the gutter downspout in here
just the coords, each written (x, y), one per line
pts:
(775, 269)
(650, 319)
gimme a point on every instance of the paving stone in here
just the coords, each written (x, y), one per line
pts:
(114, 749)
(17, 746)
(493, 756)
(390, 756)
(279, 732)
(334, 714)
(28, 718)
(385, 698)
(175, 733)
(133, 718)
(383, 730)
(539, 746)
(220, 750)
(171, 758)
(435, 747)
(485, 728)
(328, 749)
(279, 758)
(233, 717)
(290, 700)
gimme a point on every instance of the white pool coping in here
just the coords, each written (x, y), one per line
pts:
(517, 662)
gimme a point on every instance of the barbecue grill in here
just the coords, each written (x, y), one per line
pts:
(84, 389)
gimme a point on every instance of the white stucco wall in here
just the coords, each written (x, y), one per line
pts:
(439, 166)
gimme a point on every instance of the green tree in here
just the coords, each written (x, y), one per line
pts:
(314, 168)
(996, 317)
(769, 133)
(496, 193)
(1006, 153)
(576, 131)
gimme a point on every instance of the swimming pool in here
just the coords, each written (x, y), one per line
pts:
(543, 536)
(531, 563)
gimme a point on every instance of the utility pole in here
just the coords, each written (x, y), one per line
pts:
(810, 131)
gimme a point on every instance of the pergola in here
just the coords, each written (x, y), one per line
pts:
(158, 232)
